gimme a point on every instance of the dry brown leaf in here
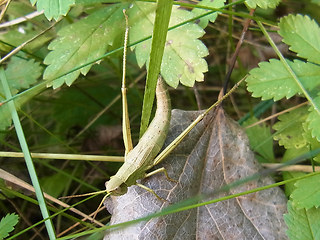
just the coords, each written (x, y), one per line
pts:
(216, 152)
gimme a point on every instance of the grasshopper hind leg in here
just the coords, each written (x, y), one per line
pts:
(165, 173)
(151, 191)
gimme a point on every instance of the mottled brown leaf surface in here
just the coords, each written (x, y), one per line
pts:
(215, 153)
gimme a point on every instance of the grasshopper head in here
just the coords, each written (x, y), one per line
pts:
(116, 186)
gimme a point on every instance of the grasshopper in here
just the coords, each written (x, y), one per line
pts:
(141, 158)
(144, 155)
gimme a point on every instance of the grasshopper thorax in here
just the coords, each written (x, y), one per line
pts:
(116, 186)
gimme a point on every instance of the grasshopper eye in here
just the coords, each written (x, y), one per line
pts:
(116, 187)
(122, 189)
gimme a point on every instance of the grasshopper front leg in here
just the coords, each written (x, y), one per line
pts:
(126, 130)
(141, 157)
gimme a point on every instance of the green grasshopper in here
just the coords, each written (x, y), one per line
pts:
(141, 158)
(144, 155)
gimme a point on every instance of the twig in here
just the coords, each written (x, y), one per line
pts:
(291, 168)
(65, 156)
(13, 179)
(17, 49)
(236, 52)
(275, 115)
(197, 95)
(78, 223)
(4, 10)
(21, 19)
(21, 214)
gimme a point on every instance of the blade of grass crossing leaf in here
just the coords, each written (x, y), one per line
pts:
(286, 65)
(160, 29)
(27, 156)
(189, 204)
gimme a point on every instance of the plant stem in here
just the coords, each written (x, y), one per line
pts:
(65, 156)
(27, 157)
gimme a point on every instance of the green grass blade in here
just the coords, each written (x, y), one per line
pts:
(188, 204)
(196, 201)
(27, 156)
(160, 30)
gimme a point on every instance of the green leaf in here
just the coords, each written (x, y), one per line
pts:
(20, 73)
(307, 193)
(272, 80)
(16, 38)
(53, 8)
(314, 119)
(313, 142)
(290, 130)
(82, 42)
(260, 140)
(212, 17)
(302, 224)
(289, 187)
(7, 224)
(263, 3)
(183, 54)
(302, 35)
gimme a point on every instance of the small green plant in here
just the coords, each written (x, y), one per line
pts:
(7, 224)
(297, 130)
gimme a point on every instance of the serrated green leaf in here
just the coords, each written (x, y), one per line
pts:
(82, 42)
(212, 17)
(314, 119)
(302, 35)
(260, 140)
(307, 193)
(21, 73)
(289, 187)
(290, 130)
(272, 80)
(313, 142)
(263, 3)
(53, 8)
(183, 55)
(302, 224)
(7, 224)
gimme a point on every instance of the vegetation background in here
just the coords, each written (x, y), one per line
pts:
(67, 108)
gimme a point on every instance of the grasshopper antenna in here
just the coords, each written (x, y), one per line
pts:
(83, 195)
(102, 201)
